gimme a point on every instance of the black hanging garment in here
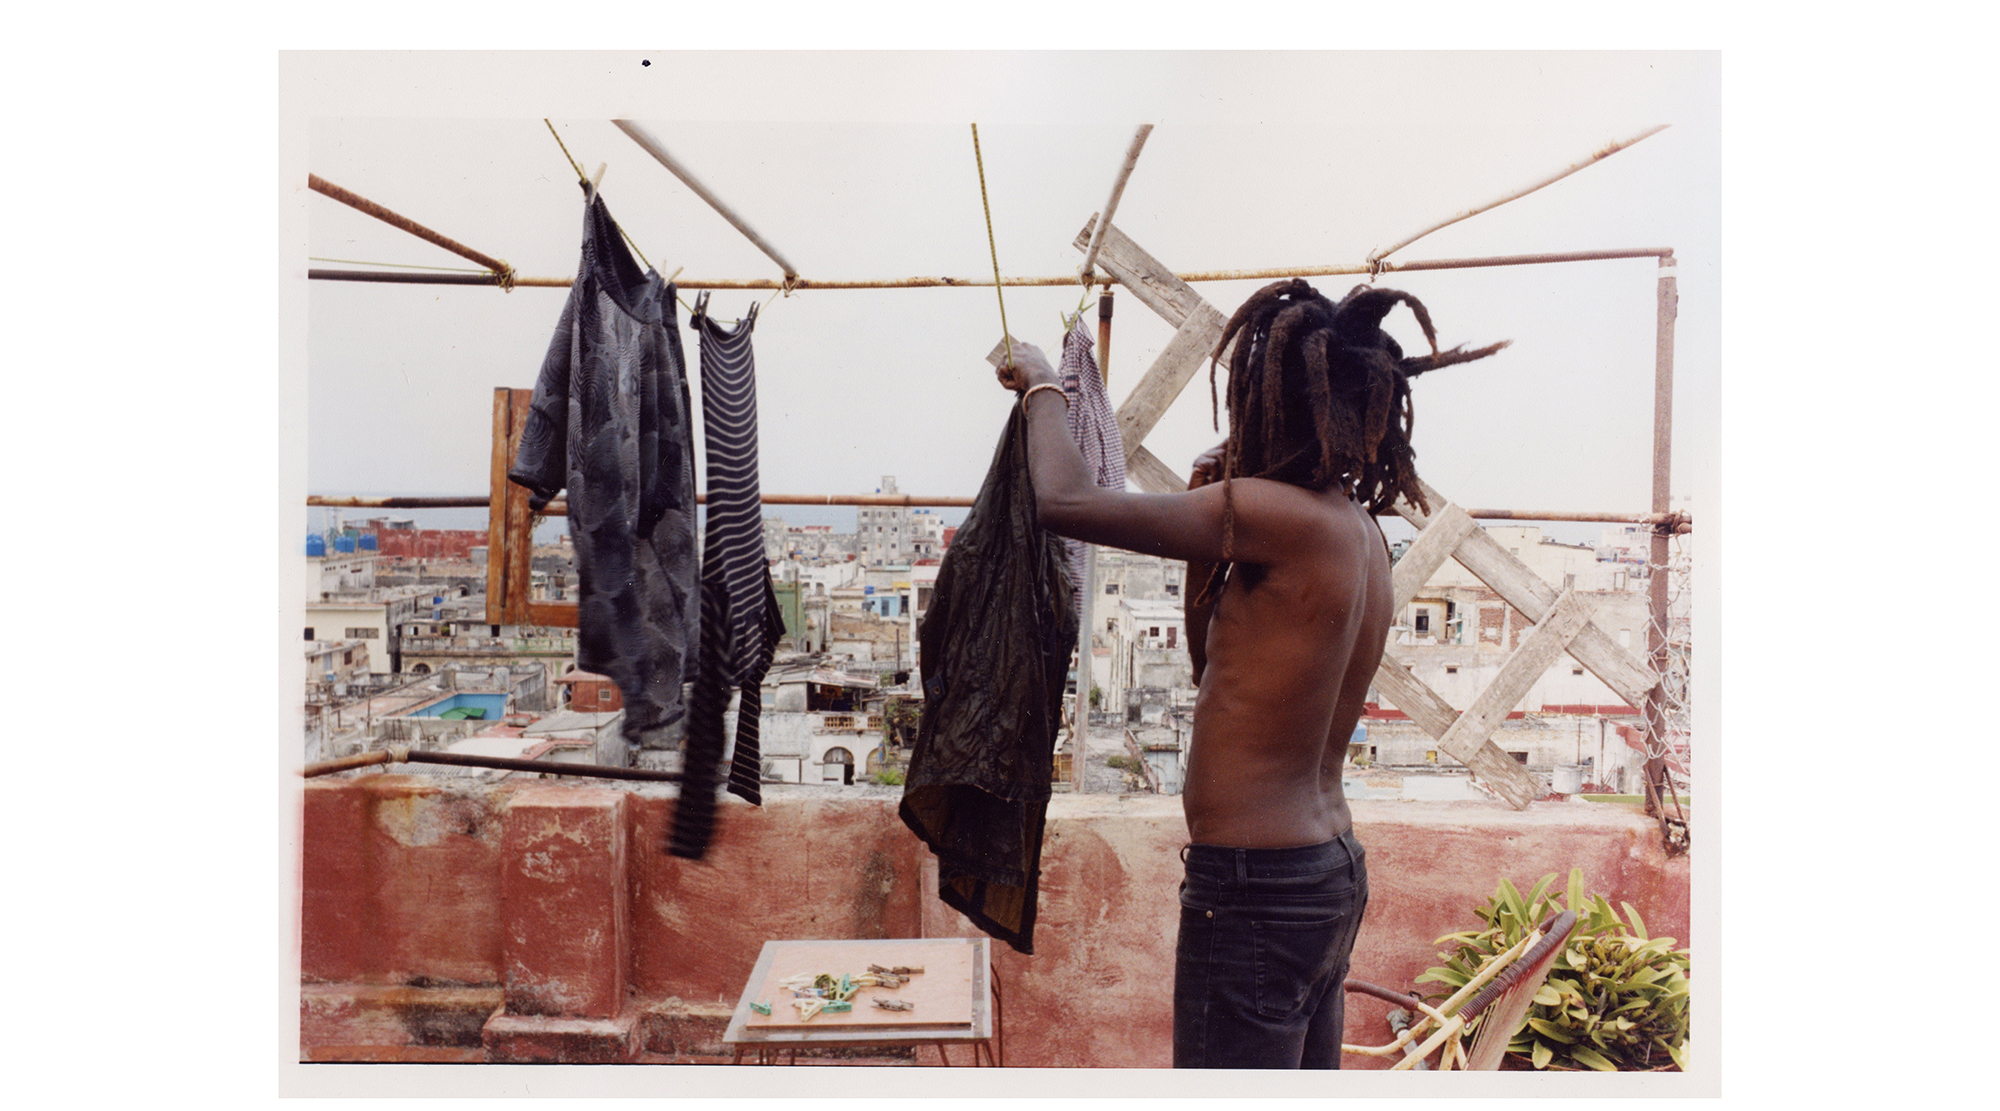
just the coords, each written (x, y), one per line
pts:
(740, 622)
(996, 644)
(610, 422)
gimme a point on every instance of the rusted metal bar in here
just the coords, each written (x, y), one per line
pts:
(1656, 594)
(1104, 334)
(1673, 522)
(396, 755)
(1111, 206)
(347, 763)
(652, 146)
(470, 501)
(500, 269)
(1266, 273)
(559, 507)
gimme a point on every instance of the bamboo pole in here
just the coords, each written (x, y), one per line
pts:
(501, 271)
(1111, 206)
(1267, 273)
(1603, 153)
(652, 146)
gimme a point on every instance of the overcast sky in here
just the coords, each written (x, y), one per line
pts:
(861, 166)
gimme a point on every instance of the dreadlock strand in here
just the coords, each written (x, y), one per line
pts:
(1381, 391)
(1319, 396)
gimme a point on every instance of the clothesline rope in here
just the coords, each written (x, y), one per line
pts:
(565, 149)
(1004, 333)
(785, 289)
(582, 179)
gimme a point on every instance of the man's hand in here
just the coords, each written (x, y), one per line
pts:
(1207, 466)
(1031, 368)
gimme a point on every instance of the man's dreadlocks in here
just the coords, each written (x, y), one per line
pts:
(1319, 394)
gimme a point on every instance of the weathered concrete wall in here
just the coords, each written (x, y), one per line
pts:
(408, 910)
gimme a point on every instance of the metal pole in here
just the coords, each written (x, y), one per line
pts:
(559, 507)
(1104, 334)
(1656, 595)
(397, 754)
(420, 278)
(1086, 613)
(501, 271)
(652, 146)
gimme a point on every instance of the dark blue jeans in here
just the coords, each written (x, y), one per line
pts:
(1264, 942)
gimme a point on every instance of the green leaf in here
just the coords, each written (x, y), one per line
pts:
(1535, 896)
(1542, 1055)
(1548, 996)
(1551, 1030)
(1593, 1059)
(1632, 916)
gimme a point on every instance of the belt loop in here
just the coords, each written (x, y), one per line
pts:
(1243, 866)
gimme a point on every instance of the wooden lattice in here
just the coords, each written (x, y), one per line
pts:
(1562, 620)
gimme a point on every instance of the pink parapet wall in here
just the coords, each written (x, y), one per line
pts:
(542, 921)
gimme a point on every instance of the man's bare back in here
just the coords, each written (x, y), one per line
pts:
(1284, 657)
(1290, 648)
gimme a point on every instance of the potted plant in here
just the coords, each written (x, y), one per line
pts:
(1616, 999)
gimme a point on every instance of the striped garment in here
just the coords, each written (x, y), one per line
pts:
(740, 622)
(1093, 424)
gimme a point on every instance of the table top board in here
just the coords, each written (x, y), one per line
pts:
(949, 996)
(940, 995)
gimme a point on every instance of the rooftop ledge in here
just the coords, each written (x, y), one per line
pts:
(543, 922)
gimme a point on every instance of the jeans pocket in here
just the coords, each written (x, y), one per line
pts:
(1293, 959)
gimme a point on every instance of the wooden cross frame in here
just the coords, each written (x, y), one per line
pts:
(1562, 621)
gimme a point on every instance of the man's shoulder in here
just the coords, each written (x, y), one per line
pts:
(1302, 523)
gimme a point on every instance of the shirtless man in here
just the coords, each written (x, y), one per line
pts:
(1288, 609)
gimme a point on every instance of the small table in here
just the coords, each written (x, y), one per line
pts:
(958, 1005)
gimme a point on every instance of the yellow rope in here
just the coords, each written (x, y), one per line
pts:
(629, 243)
(1006, 336)
(580, 177)
(565, 150)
